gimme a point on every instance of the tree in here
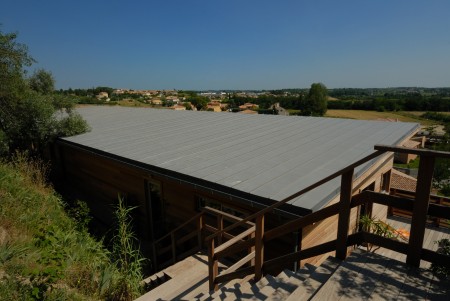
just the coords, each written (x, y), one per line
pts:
(42, 81)
(315, 104)
(13, 58)
(28, 117)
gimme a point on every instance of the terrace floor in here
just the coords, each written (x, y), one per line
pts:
(432, 234)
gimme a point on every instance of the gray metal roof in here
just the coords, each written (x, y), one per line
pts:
(263, 155)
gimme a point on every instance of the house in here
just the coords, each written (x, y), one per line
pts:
(102, 96)
(170, 164)
(248, 106)
(178, 108)
(214, 106)
(247, 111)
(157, 101)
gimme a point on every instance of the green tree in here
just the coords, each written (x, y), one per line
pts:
(42, 81)
(29, 118)
(13, 58)
(315, 104)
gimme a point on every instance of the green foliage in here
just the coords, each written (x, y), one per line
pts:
(437, 269)
(42, 81)
(198, 101)
(79, 212)
(28, 119)
(50, 265)
(378, 227)
(43, 253)
(13, 58)
(127, 256)
(315, 104)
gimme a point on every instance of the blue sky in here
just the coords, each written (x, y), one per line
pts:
(235, 44)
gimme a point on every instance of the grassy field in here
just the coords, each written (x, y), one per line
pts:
(374, 115)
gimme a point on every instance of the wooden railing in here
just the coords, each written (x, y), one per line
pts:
(434, 199)
(169, 245)
(254, 238)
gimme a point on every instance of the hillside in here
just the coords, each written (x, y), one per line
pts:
(44, 253)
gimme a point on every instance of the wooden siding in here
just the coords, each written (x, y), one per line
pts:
(103, 179)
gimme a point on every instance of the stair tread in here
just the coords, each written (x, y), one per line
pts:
(313, 283)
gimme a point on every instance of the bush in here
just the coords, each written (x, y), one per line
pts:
(437, 269)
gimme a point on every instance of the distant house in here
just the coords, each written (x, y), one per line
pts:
(171, 163)
(178, 108)
(248, 106)
(214, 106)
(157, 101)
(280, 110)
(103, 96)
(247, 111)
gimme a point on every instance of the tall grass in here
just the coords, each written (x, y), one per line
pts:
(45, 254)
(127, 256)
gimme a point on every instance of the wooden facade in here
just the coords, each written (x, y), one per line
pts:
(163, 202)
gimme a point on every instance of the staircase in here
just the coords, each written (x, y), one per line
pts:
(363, 275)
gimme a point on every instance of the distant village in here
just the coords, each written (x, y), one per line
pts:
(172, 99)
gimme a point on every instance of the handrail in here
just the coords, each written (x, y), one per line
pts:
(415, 151)
(414, 250)
(195, 217)
(297, 194)
(226, 215)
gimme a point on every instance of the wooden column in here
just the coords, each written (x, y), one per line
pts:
(298, 236)
(174, 247)
(200, 231)
(219, 228)
(259, 247)
(155, 258)
(213, 266)
(344, 214)
(419, 217)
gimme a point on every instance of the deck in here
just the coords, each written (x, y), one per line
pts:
(363, 276)
(369, 276)
(432, 234)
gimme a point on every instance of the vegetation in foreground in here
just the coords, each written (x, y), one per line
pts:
(45, 254)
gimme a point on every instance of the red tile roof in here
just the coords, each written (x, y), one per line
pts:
(400, 180)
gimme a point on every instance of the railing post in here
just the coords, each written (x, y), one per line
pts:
(344, 214)
(213, 266)
(200, 230)
(251, 249)
(298, 236)
(438, 219)
(259, 247)
(419, 216)
(219, 228)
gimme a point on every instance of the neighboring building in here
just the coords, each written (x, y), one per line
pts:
(247, 111)
(214, 106)
(169, 164)
(248, 106)
(103, 96)
(280, 110)
(178, 108)
(157, 101)
(406, 158)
